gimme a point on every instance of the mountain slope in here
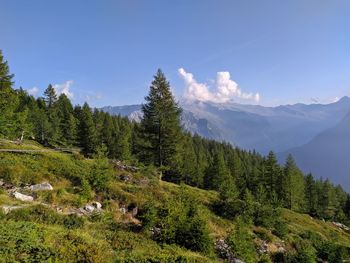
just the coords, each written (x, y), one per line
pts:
(49, 229)
(327, 155)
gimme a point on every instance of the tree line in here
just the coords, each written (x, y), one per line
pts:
(241, 177)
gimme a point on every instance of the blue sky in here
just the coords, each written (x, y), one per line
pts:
(106, 52)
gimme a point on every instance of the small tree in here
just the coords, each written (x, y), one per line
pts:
(101, 173)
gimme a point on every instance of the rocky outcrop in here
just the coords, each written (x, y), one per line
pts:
(22, 197)
(225, 252)
(41, 187)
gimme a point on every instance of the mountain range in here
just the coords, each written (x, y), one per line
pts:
(315, 134)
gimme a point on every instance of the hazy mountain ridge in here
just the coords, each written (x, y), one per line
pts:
(327, 155)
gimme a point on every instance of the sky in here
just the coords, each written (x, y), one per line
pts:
(106, 52)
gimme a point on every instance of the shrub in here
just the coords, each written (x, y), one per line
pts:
(280, 228)
(73, 221)
(241, 243)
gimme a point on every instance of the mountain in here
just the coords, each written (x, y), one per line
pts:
(327, 155)
(253, 126)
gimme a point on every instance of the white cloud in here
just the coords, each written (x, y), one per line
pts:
(225, 89)
(33, 91)
(64, 88)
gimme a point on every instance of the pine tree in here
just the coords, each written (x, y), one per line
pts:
(272, 173)
(86, 130)
(67, 122)
(160, 125)
(310, 195)
(8, 99)
(292, 185)
(50, 96)
(217, 173)
(188, 162)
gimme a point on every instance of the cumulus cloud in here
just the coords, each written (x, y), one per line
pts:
(33, 91)
(64, 88)
(224, 90)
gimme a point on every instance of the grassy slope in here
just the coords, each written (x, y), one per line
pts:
(95, 241)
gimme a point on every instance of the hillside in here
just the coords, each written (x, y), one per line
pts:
(53, 228)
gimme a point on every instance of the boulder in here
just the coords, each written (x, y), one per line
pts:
(22, 197)
(89, 208)
(134, 211)
(41, 187)
(123, 210)
(224, 251)
(125, 177)
(97, 205)
(8, 208)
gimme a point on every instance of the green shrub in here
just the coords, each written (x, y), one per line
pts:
(280, 228)
(305, 253)
(263, 234)
(73, 221)
(241, 243)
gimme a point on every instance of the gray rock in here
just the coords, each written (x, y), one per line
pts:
(22, 197)
(125, 177)
(8, 208)
(89, 208)
(97, 205)
(134, 211)
(41, 187)
(123, 210)
(224, 251)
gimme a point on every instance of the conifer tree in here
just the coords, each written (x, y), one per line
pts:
(50, 96)
(271, 175)
(86, 130)
(160, 125)
(8, 99)
(67, 122)
(310, 195)
(292, 185)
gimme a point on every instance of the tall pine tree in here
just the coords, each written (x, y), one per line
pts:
(160, 125)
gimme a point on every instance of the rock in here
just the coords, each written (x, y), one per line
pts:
(22, 197)
(97, 205)
(120, 166)
(123, 210)
(8, 208)
(41, 187)
(134, 211)
(89, 208)
(264, 248)
(224, 252)
(125, 177)
(341, 226)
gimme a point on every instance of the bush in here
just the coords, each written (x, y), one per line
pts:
(305, 253)
(241, 243)
(73, 221)
(263, 234)
(331, 252)
(280, 228)
(179, 222)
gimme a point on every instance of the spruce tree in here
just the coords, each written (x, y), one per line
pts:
(67, 122)
(292, 185)
(50, 96)
(8, 99)
(86, 130)
(272, 173)
(160, 125)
